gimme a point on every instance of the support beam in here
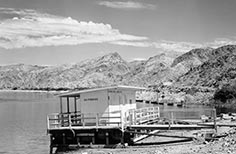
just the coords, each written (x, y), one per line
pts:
(68, 104)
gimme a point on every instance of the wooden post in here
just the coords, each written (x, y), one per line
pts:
(130, 118)
(134, 117)
(68, 104)
(93, 139)
(63, 139)
(172, 117)
(107, 138)
(51, 149)
(82, 119)
(214, 119)
(122, 137)
(78, 140)
(51, 146)
(69, 121)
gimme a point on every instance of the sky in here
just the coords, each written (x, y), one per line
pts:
(54, 32)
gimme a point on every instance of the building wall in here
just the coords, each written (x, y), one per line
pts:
(94, 102)
(105, 101)
(121, 100)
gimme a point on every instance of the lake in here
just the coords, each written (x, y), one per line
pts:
(23, 120)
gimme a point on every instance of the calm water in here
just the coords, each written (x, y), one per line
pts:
(23, 120)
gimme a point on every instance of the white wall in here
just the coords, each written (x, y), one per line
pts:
(94, 102)
(121, 100)
(97, 102)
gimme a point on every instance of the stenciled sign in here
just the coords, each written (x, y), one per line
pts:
(114, 91)
(91, 99)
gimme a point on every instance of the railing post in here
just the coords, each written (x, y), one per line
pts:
(130, 118)
(69, 115)
(214, 118)
(97, 119)
(171, 117)
(82, 119)
(58, 121)
(121, 120)
(48, 124)
(125, 118)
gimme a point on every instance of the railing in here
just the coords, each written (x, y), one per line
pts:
(187, 113)
(143, 115)
(117, 118)
(59, 120)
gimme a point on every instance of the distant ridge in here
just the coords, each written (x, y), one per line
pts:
(205, 67)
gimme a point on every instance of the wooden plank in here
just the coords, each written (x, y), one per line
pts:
(85, 127)
(143, 136)
(167, 127)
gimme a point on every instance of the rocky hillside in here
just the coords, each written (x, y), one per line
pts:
(101, 71)
(109, 69)
(149, 72)
(199, 67)
(194, 57)
(219, 69)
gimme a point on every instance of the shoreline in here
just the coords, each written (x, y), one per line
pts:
(32, 91)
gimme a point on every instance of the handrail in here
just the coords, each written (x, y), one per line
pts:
(56, 120)
(116, 118)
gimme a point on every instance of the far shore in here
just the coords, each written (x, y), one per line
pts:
(38, 91)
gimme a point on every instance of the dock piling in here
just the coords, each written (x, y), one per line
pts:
(107, 138)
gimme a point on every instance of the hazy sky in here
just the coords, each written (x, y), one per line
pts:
(49, 32)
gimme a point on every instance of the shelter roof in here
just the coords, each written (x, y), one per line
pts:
(120, 87)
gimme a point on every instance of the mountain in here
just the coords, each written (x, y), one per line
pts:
(194, 57)
(203, 67)
(101, 71)
(218, 69)
(149, 72)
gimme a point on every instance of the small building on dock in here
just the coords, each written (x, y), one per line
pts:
(97, 116)
(107, 101)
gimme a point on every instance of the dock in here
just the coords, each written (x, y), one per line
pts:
(73, 128)
(105, 116)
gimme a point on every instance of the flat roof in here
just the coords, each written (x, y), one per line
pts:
(121, 87)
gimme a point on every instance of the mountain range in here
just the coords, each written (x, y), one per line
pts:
(202, 67)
